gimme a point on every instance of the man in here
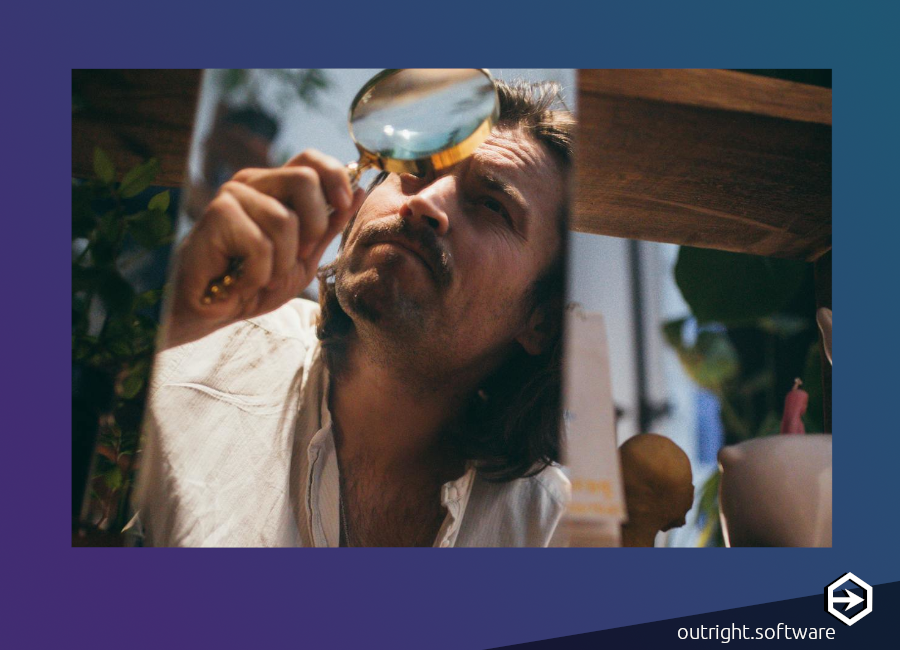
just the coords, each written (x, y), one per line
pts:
(425, 411)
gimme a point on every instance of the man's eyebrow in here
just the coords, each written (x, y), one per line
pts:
(502, 186)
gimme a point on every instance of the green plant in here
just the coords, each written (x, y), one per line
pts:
(752, 330)
(113, 326)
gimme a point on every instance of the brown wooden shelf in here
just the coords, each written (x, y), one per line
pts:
(134, 115)
(710, 158)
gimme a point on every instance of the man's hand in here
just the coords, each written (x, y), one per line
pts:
(278, 222)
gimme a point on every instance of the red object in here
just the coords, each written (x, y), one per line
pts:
(794, 407)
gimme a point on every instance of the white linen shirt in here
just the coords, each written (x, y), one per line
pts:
(239, 451)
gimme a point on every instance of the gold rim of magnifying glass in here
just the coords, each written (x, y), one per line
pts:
(435, 161)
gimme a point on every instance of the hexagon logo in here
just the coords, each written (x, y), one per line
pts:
(832, 601)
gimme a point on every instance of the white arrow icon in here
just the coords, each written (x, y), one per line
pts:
(851, 599)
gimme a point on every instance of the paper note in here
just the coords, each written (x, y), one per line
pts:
(590, 452)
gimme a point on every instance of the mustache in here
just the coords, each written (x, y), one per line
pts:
(422, 239)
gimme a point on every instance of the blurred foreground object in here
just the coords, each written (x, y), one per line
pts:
(776, 491)
(659, 489)
(597, 506)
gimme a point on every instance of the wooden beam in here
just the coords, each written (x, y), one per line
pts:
(702, 158)
(134, 115)
(723, 89)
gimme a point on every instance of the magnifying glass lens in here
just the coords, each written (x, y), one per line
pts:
(416, 113)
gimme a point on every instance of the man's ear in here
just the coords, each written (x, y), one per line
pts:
(533, 337)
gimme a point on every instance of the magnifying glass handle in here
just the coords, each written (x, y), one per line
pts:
(218, 288)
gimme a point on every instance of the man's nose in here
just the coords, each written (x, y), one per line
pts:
(427, 206)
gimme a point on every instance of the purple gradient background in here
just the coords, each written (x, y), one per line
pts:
(60, 596)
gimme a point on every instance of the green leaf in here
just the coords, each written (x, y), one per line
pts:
(120, 348)
(139, 178)
(708, 511)
(160, 201)
(711, 536)
(709, 496)
(160, 225)
(100, 359)
(784, 325)
(144, 338)
(113, 478)
(132, 385)
(733, 288)
(103, 166)
(118, 326)
(151, 229)
(147, 299)
(142, 367)
(139, 228)
(83, 347)
(712, 361)
(105, 245)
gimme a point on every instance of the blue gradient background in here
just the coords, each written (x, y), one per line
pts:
(421, 598)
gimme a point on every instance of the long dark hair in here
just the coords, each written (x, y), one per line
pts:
(511, 425)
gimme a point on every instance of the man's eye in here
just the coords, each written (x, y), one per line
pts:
(492, 204)
(496, 206)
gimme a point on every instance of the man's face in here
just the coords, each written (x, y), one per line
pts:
(443, 265)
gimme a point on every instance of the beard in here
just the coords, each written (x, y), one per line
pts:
(377, 293)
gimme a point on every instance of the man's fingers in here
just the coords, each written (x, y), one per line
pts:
(279, 223)
(316, 187)
(332, 173)
(228, 233)
(300, 189)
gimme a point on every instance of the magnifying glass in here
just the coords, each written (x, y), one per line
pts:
(414, 120)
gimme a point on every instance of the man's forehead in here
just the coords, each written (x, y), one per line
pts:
(515, 155)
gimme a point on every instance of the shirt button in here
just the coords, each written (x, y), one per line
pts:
(445, 543)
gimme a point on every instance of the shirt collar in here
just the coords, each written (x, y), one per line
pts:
(323, 486)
